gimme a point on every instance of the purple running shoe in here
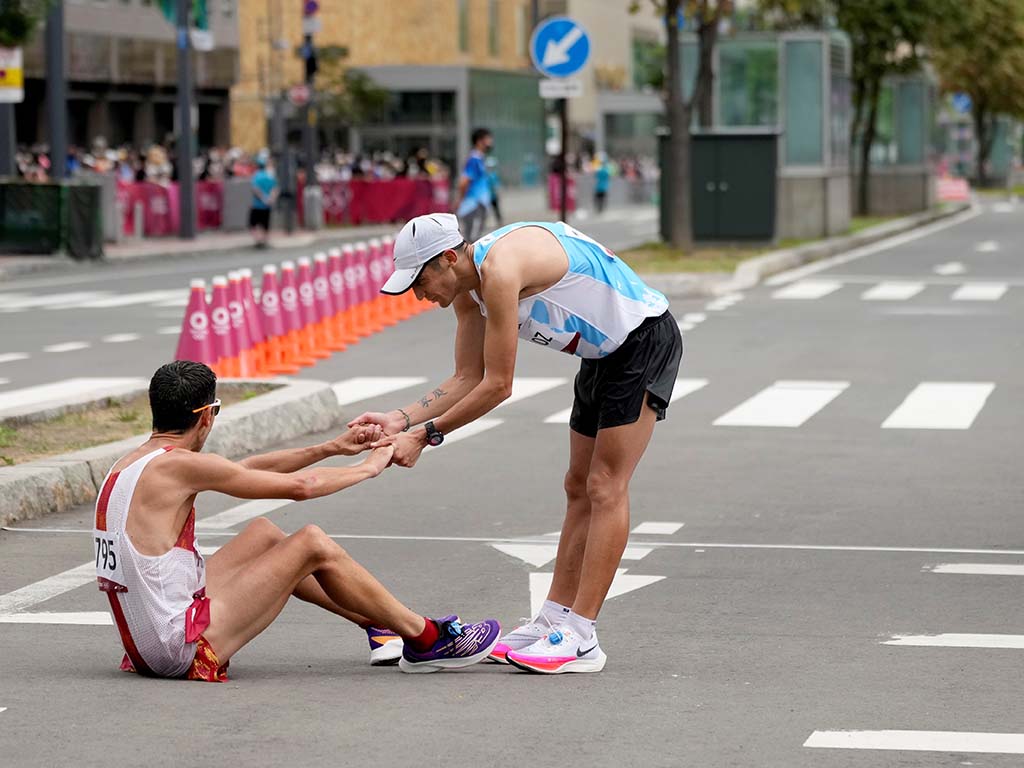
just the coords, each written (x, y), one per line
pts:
(385, 646)
(458, 645)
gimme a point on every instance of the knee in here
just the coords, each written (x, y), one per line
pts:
(575, 486)
(266, 530)
(318, 546)
(604, 488)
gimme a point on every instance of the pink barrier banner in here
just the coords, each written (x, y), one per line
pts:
(162, 206)
(362, 201)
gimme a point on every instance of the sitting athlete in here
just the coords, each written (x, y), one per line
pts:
(553, 286)
(182, 616)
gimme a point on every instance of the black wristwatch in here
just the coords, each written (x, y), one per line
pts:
(434, 437)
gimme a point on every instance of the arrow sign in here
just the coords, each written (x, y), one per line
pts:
(623, 583)
(559, 47)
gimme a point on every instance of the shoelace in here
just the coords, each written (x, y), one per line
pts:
(451, 628)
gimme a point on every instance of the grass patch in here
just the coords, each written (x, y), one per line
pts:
(104, 423)
(1017, 191)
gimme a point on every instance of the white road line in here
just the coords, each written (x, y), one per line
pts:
(10, 357)
(950, 268)
(3, 709)
(808, 289)
(78, 390)
(682, 388)
(181, 301)
(980, 292)
(977, 569)
(365, 387)
(883, 245)
(935, 312)
(987, 246)
(658, 544)
(659, 529)
(694, 317)
(958, 640)
(240, 514)
(892, 291)
(527, 386)
(471, 430)
(940, 405)
(169, 330)
(125, 300)
(636, 553)
(684, 327)
(88, 618)
(49, 300)
(121, 338)
(68, 346)
(43, 590)
(4, 382)
(920, 741)
(784, 404)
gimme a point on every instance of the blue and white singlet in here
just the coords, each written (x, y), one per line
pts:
(592, 309)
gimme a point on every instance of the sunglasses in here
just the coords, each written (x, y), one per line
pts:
(215, 405)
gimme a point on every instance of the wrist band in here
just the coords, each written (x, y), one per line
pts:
(408, 421)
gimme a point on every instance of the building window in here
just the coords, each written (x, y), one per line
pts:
(492, 28)
(748, 84)
(464, 26)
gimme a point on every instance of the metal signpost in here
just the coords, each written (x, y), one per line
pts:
(560, 48)
(185, 149)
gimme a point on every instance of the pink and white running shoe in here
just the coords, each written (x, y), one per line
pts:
(560, 651)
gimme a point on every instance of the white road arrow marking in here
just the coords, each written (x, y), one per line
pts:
(950, 268)
(557, 51)
(623, 583)
(987, 246)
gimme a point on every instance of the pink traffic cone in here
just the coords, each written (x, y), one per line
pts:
(252, 319)
(307, 306)
(273, 324)
(239, 325)
(295, 352)
(196, 342)
(223, 338)
(336, 276)
(325, 305)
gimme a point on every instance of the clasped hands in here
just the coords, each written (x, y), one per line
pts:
(384, 430)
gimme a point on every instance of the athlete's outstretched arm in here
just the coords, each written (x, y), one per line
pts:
(209, 472)
(355, 440)
(469, 371)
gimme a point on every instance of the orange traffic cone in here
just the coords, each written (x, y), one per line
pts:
(325, 305)
(336, 277)
(294, 352)
(223, 338)
(311, 345)
(273, 326)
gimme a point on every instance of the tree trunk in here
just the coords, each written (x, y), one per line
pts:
(707, 34)
(983, 133)
(873, 89)
(858, 113)
(678, 155)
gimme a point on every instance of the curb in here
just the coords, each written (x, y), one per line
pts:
(59, 483)
(752, 271)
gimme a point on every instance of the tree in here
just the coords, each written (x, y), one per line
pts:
(887, 37)
(983, 57)
(704, 16)
(345, 96)
(18, 20)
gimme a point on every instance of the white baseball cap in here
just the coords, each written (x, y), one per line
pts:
(420, 240)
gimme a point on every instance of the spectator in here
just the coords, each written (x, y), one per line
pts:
(602, 180)
(264, 194)
(494, 181)
(474, 194)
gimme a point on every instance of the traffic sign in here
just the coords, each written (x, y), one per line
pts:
(559, 88)
(961, 102)
(559, 47)
(12, 89)
(299, 94)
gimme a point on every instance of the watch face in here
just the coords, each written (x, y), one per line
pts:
(435, 439)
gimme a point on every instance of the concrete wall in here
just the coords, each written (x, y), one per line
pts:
(813, 206)
(896, 191)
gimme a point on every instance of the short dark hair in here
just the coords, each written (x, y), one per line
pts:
(176, 390)
(480, 133)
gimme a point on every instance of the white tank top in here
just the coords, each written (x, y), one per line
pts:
(149, 595)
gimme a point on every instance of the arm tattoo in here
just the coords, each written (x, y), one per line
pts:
(426, 399)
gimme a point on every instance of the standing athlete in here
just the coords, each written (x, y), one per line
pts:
(557, 288)
(181, 616)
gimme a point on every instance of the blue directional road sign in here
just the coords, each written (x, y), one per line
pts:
(961, 102)
(559, 47)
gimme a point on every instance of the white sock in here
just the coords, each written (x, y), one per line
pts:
(552, 613)
(581, 625)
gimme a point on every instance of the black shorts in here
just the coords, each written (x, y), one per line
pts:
(610, 391)
(259, 218)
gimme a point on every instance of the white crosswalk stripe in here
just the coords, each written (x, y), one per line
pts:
(68, 391)
(959, 640)
(18, 304)
(940, 405)
(67, 346)
(978, 569)
(980, 292)
(892, 291)
(808, 289)
(920, 741)
(11, 357)
(682, 388)
(366, 387)
(784, 404)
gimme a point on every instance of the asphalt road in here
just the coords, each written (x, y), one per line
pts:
(838, 561)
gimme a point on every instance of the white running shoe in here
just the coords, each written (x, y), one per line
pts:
(560, 651)
(523, 636)
(385, 646)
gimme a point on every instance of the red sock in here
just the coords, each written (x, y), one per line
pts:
(425, 640)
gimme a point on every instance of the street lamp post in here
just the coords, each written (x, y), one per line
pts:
(184, 148)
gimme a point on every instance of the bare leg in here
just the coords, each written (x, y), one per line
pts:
(573, 542)
(248, 604)
(616, 453)
(259, 536)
